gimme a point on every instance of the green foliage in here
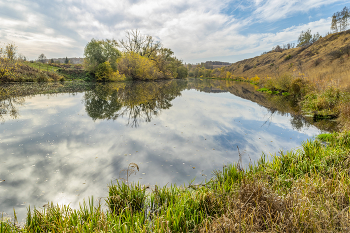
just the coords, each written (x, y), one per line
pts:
(66, 61)
(288, 57)
(340, 20)
(105, 73)
(325, 103)
(182, 72)
(97, 52)
(122, 196)
(306, 38)
(263, 89)
(286, 192)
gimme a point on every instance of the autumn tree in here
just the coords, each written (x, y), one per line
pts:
(97, 52)
(8, 62)
(11, 51)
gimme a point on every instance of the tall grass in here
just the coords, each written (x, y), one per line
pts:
(304, 190)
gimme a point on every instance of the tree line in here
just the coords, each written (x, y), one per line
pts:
(137, 57)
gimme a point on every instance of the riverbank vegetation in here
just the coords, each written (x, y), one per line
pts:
(304, 190)
(315, 74)
(138, 57)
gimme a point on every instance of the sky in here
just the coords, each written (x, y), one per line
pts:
(196, 30)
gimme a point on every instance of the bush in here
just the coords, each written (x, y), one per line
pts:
(284, 82)
(182, 72)
(288, 57)
(105, 73)
(42, 77)
(137, 67)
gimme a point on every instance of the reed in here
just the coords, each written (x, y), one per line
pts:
(304, 190)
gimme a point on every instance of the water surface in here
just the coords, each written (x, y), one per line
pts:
(67, 147)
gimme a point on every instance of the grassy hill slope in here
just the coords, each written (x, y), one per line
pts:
(324, 61)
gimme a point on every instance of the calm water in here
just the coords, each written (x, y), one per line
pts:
(67, 147)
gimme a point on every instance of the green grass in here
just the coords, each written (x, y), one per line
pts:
(304, 190)
(41, 66)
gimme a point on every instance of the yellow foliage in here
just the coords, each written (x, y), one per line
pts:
(105, 72)
(255, 79)
(135, 66)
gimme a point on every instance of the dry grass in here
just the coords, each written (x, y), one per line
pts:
(306, 190)
(317, 62)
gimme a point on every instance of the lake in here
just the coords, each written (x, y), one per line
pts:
(69, 144)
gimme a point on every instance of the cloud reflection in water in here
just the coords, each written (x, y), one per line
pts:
(63, 149)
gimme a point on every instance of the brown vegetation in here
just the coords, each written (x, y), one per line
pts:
(324, 63)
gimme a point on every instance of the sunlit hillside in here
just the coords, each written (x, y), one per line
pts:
(324, 62)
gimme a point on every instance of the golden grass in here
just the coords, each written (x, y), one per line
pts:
(316, 62)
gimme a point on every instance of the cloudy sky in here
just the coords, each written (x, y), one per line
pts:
(196, 30)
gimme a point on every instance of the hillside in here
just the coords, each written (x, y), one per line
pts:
(325, 60)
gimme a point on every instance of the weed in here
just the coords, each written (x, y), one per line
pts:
(288, 57)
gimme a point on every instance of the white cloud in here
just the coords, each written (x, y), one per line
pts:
(195, 30)
(272, 10)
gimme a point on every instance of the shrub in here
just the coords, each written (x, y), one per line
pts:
(182, 72)
(288, 57)
(137, 67)
(42, 77)
(105, 73)
(284, 82)
(298, 87)
(318, 61)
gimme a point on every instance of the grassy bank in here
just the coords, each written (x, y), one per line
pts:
(305, 190)
(23, 71)
(316, 76)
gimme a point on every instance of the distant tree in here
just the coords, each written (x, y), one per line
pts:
(306, 38)
(52, 61)
(277, 49)
(182, 72)
(315, 37)
(11, 51)
(66, 61)
(144, 45)
(97, 52)
(334, 26)
(340, 20)
(20, 57)
(42, 58)
(345, 14)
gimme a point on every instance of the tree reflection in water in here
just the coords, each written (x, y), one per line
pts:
(138, 101)
(8, 105)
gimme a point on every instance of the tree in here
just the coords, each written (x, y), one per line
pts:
(97, 52)
(315, 38)
(340, 20)
(334, 26)
(42, 58)
(141, 44)
(11, 51)
(345, 14)
(305, 38)
(52, 61)
(66, 61)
